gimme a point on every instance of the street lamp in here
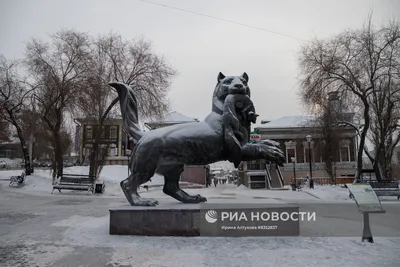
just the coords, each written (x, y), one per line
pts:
(294, 167)
(309, 138)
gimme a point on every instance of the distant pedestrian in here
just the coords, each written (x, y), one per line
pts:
(215, 182)
(311, 183)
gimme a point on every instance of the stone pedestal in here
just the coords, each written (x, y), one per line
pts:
(175, 219)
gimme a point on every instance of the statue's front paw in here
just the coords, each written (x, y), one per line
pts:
(276, 155)
(271, 143)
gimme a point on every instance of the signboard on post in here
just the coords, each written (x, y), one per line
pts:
(254, 137)
(367, 202)
(365, 197)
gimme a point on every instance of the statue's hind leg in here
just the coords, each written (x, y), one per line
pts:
(131, 184)
(171, 175)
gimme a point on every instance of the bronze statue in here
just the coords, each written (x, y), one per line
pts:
(223, 135)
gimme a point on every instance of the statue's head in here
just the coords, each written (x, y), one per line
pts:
(231, 85)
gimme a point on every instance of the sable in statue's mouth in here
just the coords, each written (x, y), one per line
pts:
(237, 91)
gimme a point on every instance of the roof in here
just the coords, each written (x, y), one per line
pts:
(171, 118)
(11, 140)
(175, 116)
(289, 122)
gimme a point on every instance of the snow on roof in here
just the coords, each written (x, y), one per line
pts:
(175, 116)
(289, 122)
(11, 140)
(225, 165)
(142, 126)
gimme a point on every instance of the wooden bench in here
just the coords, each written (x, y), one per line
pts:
(15, 180)
(386, 188)
(75, 182)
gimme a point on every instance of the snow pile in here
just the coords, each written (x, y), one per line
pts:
(328, 192)
(12, 162)
(242, 187)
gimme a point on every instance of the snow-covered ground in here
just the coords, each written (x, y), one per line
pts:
(205, 251)
(41, 182)
(328, 192)
(80, 233)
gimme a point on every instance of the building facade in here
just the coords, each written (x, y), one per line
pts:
(290, 133)
(113, 138)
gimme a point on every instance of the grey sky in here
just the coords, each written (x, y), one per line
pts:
(200, 47)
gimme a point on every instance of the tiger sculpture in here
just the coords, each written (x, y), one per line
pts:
(223, 135)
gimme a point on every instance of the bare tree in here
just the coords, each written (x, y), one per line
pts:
(129, 61)
(385, 104)
(13, 96)
(61, 68)
(4, 128)
(354, 63)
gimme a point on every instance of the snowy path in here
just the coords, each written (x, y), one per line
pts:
(71, 229)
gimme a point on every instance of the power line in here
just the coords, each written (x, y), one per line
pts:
(221, 19)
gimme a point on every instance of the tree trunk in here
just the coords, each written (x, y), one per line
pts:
(58, 155)
(93, 169)
(24, 147)
(25, 150)
(363, 136)
(93, 156)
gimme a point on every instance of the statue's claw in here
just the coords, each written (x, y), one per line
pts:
(201, 198)
(133, 198)
(195, 199)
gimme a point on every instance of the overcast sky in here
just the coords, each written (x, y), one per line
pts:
(199, 47)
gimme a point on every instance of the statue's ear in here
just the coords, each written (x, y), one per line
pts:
(220, 77)
(245, 76)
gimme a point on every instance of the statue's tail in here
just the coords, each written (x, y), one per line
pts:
(129, 109)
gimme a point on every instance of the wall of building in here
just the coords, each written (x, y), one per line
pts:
(194, 174)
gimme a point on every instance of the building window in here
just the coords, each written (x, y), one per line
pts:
(290, 151)
(345, 151)
(103, 132)
(89, 132)
(113, 151)
(113, 132)
(256, 164)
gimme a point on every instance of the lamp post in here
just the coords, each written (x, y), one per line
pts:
(309, 138)
(294, 167)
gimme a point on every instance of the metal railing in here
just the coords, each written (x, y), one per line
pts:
(328, 180)
(318, 166)
(280, 176)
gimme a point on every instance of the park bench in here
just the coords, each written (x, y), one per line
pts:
(297, 185)
(75, 182)
(18, 180)
(384, 188)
